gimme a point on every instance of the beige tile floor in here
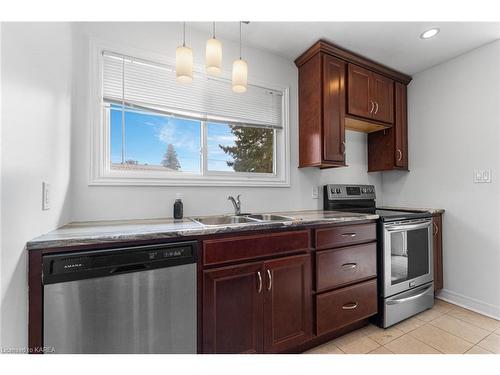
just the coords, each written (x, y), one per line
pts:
(445, 328)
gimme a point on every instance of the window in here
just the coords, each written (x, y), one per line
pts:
(234, 148)
(155, 131)
(151, 142)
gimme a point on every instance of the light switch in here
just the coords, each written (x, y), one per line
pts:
(482, 176)
(45, 196)
(315, 192)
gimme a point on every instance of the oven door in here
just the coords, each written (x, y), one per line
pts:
(407, 255)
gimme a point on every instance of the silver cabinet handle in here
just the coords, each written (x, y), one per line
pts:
(436, 229)
(348, 235)
(373, 106)
(350, 306)
(343, 147)
(259, 290)
(348, 266)
(400, 154)
(406, 299)
(376, 109)
(270, 285)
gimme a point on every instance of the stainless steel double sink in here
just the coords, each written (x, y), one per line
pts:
(240, 219)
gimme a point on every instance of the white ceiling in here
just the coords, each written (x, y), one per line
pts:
(395, 44)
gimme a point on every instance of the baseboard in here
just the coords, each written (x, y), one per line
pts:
(470, 303)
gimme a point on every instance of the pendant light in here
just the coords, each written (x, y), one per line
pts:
(240, 73)
(184, 60)
(213, 54)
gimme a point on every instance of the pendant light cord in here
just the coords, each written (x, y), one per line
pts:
(184, 34)
(213, 30)
(240, 40)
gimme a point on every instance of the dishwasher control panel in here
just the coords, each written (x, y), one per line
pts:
(68, 266)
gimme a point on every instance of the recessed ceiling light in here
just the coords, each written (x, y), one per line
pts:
(429, 33)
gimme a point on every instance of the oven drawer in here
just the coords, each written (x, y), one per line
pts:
(346, 265)
(327, 238)
(345, 306)
(406, 304)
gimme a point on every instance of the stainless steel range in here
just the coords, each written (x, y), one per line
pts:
(405, 261)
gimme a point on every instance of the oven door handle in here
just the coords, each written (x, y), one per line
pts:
(406, 299)
(392, 228)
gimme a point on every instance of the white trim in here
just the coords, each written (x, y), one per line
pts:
(100, 173)
(469, 303)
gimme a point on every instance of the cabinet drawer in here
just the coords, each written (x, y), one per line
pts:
(345, 235)
(344, 306)
(345, 265)
(224, 250)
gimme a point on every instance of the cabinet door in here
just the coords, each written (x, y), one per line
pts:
(401, 128)
(288, 300)
(232, 309)
(383, 96)
(333, 109)
(359, 92)
(438, 252)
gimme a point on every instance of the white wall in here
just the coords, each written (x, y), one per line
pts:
(357, 166)
(35, 146)
(97, 202)
(454, 123)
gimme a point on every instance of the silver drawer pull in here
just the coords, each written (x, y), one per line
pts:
(259, 290)
(348, 266)
(410, 298)
(350, 306)
(270, 277)
(349, 234)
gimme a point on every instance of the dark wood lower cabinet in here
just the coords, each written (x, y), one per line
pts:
(437, 230)
(232, 309)
(287, 306)
(257, 307)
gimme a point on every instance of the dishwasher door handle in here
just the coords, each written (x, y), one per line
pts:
(129, 268)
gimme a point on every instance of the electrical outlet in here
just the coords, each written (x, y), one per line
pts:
(482, 176)
(315, 192)
(45, 196)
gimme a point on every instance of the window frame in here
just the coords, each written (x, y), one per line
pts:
(100, 165)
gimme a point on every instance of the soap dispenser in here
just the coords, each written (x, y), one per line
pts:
(178, 207)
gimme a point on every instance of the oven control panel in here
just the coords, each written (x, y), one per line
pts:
(338, 192)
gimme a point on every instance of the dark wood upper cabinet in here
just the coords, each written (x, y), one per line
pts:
(401, 128)
(437, 224)
(321, 112)
(288, 300)
(383, 98)
(360, 101)
(388, 149)
(333, 110)
(340, 90)
(232, 309)
(370, 95)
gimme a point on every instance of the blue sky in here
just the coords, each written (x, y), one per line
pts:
(147, 137)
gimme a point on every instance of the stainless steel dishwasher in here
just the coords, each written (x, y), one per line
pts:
(128, 300)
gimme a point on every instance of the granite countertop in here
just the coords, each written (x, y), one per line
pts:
(99, 232)
(399, 208)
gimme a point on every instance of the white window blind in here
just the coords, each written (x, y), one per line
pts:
(142, 84)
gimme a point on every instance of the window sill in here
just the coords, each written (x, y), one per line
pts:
(188, 181)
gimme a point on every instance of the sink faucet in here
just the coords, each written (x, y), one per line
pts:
(236, 203)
